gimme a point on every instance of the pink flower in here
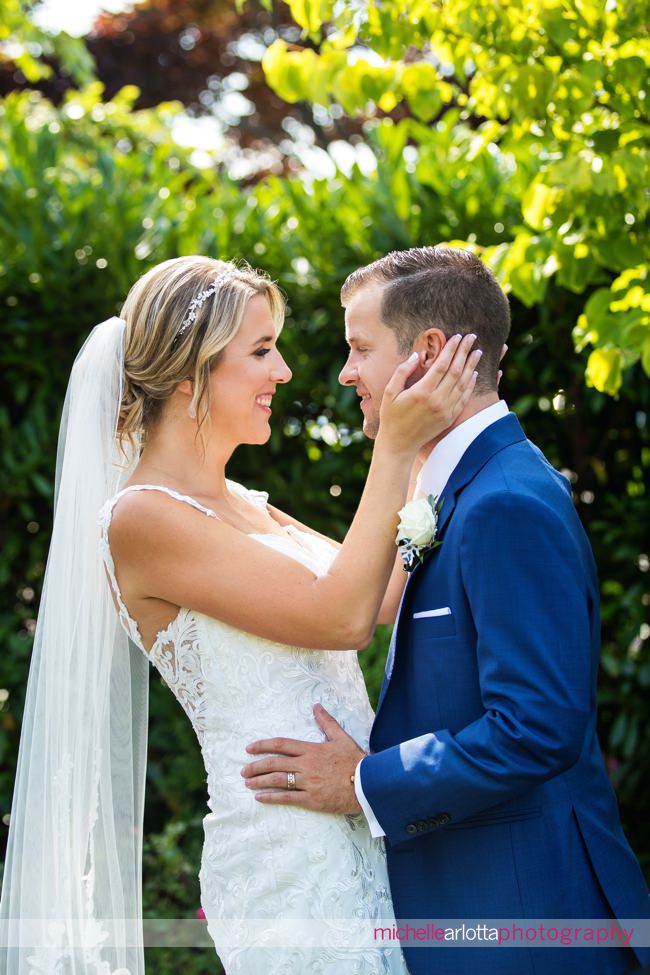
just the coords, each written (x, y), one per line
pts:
(201, 914)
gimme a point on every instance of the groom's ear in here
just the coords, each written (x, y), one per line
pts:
(429, 345)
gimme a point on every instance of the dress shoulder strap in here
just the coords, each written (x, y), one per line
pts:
(157, 487)
(259, 499)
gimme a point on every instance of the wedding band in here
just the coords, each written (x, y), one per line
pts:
(291, 780)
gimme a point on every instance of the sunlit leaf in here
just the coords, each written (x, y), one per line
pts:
(605, 370)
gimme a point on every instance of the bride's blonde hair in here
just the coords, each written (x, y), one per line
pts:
(170, 336)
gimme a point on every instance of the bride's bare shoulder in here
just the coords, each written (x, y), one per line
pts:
(148, 518)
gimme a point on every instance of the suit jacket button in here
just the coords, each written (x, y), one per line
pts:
(421, 825)
(411, 829)
(442, 819)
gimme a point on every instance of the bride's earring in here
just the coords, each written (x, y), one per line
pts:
(191, 413)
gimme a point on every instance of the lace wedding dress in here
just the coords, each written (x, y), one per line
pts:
(271, 862)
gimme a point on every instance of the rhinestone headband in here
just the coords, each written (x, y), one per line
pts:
(198, 300)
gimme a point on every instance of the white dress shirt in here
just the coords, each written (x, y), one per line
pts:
(435, 472)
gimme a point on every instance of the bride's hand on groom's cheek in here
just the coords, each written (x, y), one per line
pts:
(321, 770)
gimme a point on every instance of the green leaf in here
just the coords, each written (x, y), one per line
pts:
(645, 357)
(422, 87)
(605, 370)
(538, 203)
(311, 14)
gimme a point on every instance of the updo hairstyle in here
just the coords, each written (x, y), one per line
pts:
(157, 357)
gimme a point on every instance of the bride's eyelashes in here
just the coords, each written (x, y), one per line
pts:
(261, 352)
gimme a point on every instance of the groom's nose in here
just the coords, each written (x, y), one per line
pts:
(349, 375)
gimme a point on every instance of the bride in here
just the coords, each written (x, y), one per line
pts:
(250, 617)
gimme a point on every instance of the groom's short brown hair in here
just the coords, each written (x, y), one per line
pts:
(439, 287)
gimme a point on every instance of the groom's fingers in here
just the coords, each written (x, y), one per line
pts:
(280, 746)
(283, 798)
(274, 780)
(271, 763)
(327, 723)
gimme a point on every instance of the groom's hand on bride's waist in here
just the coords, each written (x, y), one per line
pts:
(314, 775)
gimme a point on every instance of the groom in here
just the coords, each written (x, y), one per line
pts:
(484, 772)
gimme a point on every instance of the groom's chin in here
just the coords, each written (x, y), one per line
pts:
(370, 428)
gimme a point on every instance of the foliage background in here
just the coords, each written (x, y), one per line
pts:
(94, 190)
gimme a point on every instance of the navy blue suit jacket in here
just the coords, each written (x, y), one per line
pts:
(485, 770)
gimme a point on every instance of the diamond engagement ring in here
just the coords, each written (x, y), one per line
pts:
(291, 780)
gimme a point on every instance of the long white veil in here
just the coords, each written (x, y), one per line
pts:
(71, 896)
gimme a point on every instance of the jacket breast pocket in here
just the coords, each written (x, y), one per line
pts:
(427, 627)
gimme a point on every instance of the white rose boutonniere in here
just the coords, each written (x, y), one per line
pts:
(416, 532)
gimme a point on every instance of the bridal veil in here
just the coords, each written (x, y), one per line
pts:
(71, 895)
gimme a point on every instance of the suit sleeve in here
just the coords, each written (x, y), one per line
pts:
(529, 598)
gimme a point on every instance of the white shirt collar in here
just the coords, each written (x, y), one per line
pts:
(446, 454)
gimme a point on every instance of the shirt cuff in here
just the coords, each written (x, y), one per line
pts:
(375, 829)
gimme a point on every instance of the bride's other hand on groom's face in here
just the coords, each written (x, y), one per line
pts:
(423, 411)
(321, 770)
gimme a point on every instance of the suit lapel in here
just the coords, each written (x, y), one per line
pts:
(502, 433)
(494, 438)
